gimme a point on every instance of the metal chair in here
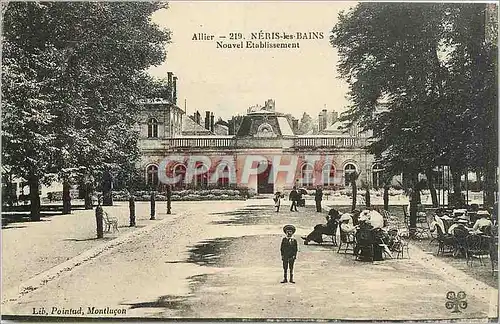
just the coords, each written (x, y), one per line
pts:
(110, 222)
(347, 240)
(400, 245)
(478, 246)
(364, 244)
(444, 240)
(460, 234)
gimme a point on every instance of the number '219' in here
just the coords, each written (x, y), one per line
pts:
(235, 36)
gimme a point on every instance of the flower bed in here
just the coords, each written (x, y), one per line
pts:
(190, 195)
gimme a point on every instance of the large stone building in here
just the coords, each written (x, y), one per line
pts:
(260, 154)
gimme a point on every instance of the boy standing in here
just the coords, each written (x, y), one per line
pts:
(288, 252)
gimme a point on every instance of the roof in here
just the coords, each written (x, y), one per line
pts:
(334, 128)
(189, 127)
(265, 124)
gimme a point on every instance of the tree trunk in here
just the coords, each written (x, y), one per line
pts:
(432, 189)
(479, 183)
(153, 206)
(457, 200)
(354, 191)
(169, 199)
(34, 185)
(107, 186)
(66, 198)
(386, 197)
(367, 197)
(489, 185)
(413, 205)
(99, 215)
(131, 206)
(87, 195)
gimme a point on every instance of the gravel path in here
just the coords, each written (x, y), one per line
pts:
(221, 260)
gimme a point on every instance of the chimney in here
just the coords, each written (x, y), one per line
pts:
(212, 122)
(174, 95)
(295, 125)
(170, 85)
(207, 120)
(323, 120)
(197, 117)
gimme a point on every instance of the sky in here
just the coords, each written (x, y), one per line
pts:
(228, 81)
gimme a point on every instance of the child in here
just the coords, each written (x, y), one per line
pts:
(288, 252)
(277, 200)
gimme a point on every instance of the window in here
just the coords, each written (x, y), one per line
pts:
(152, 128)
(328, 175)
(307, 175)
(202, 175)
(377, 172)
(223, 181)
(180, 171)
(349, 168)
(152, 175)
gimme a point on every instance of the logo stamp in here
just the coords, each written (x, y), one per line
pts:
(456, 301)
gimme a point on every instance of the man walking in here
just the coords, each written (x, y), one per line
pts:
(318, 197)
(293, 197)
(288, 252)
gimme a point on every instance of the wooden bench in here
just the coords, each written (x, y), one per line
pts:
(110, 222)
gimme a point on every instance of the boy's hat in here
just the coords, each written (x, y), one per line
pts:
(289, 228)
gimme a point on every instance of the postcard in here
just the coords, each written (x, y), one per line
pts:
(249, 161)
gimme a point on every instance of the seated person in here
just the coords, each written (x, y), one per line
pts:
(376, 219)
(364, 216)
(461, 221)
(346, 224)
(482, 223)
(355, 216)
(392, 239)
(330, 228)
(364, 240)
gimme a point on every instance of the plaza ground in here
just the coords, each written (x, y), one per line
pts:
(221, 260)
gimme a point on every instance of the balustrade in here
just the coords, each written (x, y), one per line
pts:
(231, 142)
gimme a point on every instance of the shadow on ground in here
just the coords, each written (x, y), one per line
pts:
(89, 239)
(167, 301)
(182, 304)
(13, 218)
(250, 215)
(210, 252)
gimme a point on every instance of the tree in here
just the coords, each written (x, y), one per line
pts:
(305, 124)
(405, 56)
(234, 124)
(72, 75)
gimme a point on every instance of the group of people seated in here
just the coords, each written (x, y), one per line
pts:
(448, 224)
(453, 228)
(367, 226)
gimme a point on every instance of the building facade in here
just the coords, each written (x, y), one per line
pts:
(264, 155)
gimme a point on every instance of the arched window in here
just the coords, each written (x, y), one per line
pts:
(307, 175)
(349, 168)
(377, 170)
(202, 175)
(328, 175)
(180, 171)
(152, 175)
(223, 180)
(152, 128)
